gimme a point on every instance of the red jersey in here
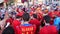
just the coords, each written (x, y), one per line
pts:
(48, 30)
(35, 21)
(10, 20)
(40, 16)
(51, 14)
(16, 25)
(27, 29)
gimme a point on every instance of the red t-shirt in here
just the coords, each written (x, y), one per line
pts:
(10, 20)
(16, 25)
(48, 30)
(51, 14)
(30, 29)
(56, 13)
(40, 16)
(17, 30)
(35, 21)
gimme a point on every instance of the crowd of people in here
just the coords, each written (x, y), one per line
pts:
(37, 19)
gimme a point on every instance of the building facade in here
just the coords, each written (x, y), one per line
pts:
(51, 1)
(39, 1)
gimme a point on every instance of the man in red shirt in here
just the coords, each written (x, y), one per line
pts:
(35, 21)
(27, 28)
(48, 29)
(16, 23)
(52, 15)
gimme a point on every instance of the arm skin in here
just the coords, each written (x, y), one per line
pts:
(3, 22)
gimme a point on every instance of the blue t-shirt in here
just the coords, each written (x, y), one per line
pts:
(57, 22)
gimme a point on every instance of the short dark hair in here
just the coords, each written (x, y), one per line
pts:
(17, 17)
(8, 30)
(47, 18)
(35, 15)
(26, 17)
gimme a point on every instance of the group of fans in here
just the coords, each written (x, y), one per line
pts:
(39, 19)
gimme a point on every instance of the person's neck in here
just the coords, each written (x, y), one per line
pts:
(34, 18)
(25, 22)
(47, 24)
(17, 19)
